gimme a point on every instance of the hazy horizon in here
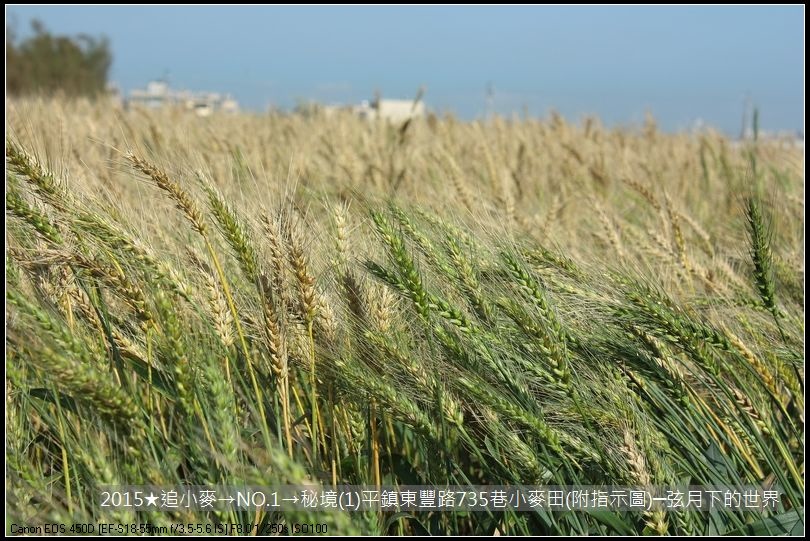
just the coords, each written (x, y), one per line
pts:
(683, 64)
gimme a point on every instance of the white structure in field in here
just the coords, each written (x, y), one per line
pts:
(391, 110)
(158, 94)
(383, 109)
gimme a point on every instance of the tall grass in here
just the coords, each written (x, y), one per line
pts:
(271, 300)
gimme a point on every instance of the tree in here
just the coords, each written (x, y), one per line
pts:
(48, 64)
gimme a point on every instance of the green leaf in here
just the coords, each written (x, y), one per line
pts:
(787, 523)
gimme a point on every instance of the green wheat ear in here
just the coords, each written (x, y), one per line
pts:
(760, 236)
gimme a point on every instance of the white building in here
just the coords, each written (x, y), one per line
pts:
(158, 94)
(385, 109)
(400, 110)
(391, 110)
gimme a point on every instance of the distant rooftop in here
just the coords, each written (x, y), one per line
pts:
(158, 94)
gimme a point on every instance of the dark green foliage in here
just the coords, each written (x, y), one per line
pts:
(48, 64)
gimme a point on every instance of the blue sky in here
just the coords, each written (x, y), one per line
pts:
(680, 63)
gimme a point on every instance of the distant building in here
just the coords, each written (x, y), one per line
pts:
(392, 110)
(158, 95)
(398, 110)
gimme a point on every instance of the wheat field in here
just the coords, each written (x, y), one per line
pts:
(276, 299)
